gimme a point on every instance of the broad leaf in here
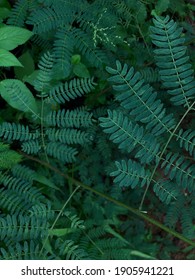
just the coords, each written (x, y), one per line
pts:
(18, 95)
(7, 59)
(12, 36)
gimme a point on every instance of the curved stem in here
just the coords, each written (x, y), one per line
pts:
(162, 153)
(131, 209)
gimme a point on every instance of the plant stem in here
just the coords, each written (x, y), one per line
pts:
(131, 209)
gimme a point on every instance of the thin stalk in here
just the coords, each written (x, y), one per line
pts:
(58, 216)
(162, 153)
(131, 209)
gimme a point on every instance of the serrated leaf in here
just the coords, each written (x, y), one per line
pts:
(12, 36)
(7, 59)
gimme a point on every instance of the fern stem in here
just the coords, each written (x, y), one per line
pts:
(42, 130)
(58, 216)
(132, 210)
(162, 153)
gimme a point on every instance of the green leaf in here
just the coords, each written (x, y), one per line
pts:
(60, 231)
(114, 233)
(17, 95)
(45, 181)
(32, 77)
(7, 59)
(141, 255)
(29, 66)
(80, 70)
(4, 13)
(5, 4)
(162, 6)
(75, 59)
(12, 36)
(8, 158)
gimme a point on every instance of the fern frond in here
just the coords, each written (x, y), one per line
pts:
(8, 157)
(175, 70)
(12, 131)
(76, 222)
(69, 118)
(131, 174)
(31, 147)
(67, 136)
(140, 99)
(180, 169)
(45, 75)
(130, 136)
(187, 222)
(149, 74)
(47, 19)
(166, 191)
(63, 51)
(187, 140)
(69, 250)
(18, 13)
(62, 152)
(95, 56)
(174, 211)
(18, 228)
(18, 195)
(42, 211)
(25, 251)
(70, 90)
(23, 172)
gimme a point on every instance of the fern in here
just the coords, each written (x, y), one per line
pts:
(129, 136)
(69, 118)
(178, 167)
(166, 191)
(130, 147)
(67, 136)
(18, 196)
(19, 13)
(175, 69)
(70, 251)
(8, 157)
(140, 99)
(31, 147)
(95, 56)
(62, 152)
(47, 19)
(70, 90)
(130, 174)
(187, 141)
(63, 50)
(25, 251)
(45, 75)
(23, 172)
(22, 227)
(12, 131)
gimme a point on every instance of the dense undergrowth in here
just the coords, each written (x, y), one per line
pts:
(97, 129)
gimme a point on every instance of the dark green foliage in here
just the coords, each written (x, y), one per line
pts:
(140, 99)
(103, 124)
(69, 118)
(76, 87)
(175, 70)
(12, 131)
(8, 157)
